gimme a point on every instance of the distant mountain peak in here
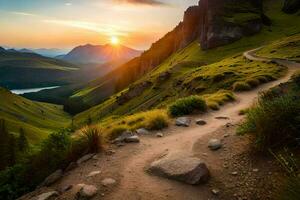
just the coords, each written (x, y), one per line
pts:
(89, 53)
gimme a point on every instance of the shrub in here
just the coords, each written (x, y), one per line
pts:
(296, 78)
(157, 122)
(253, 82)
(93, 138)
(241, 86)
(213, 105)
(187, 105)
(215, 100)
(273, 121)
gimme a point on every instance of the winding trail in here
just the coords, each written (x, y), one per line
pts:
(128, 164)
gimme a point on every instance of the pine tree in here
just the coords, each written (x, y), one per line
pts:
(22, 141)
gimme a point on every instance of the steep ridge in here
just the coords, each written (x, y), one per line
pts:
(212, 23)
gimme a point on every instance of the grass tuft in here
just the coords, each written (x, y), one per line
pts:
(241, 86)
(187, 105)
(93, 138)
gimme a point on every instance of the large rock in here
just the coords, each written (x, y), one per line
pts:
(54, 177)
(183, 121)
(47, 196)
(132, 139)
(127, 137)
(186, 169)
(86, 192)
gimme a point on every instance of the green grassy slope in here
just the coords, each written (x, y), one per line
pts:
(282, 25)
(37, 119)
(190, 73)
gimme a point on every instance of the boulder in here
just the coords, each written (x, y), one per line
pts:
(186, 169)
(54, 177)
(85, 158)
(86, 192)
(132, 139)
(201, 122)
(47, 196)
(142, 131)
(108, 181)
(183, 121)
(159, 134)
(214, 144)
(123, 136)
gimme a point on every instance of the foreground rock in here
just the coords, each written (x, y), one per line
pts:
(47, 196)
(183, 121)
(54, 177)
(127, 137)
(86, 192)
(132, 139)
(214, 144)
(189, 170)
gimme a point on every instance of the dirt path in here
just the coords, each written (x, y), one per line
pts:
(128, 164)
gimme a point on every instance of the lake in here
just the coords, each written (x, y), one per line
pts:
(29, 90)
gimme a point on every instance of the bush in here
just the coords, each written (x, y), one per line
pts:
(296, 78)
(273, 121)
(213, 105)
(253, 82)
(157, 122)
(93, 138)
(241, 86)
(187, 106)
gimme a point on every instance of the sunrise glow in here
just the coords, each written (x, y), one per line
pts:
(114, 40)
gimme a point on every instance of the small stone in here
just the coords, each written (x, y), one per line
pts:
(214, 144)
(85, 158)
(183, 121)
(108, 181)
(54, 177)
(142, 131)
(47, 195)
(120, 144)
(221, 117)
(66, 188)
(159, 134)
(201, 122)
(226, 135)
(255, 170)
(215, 191)
(95, 157)
(110, 152)
(234, 173)
(132, 139)
(94, 173)
(86, 192)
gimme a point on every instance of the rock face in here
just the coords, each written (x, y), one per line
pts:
(183, 121)
(189, 170)
(53, 178)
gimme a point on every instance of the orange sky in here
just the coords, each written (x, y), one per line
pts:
(65, 24)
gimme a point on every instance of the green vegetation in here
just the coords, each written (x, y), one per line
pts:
(187, 105)
(215, 100)
(285, 48)
(241, 86)
(274, 121)
(36, 119)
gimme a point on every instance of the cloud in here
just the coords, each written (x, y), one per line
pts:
(24, 14)
(142, 2)
(68, 4)
(105, 29)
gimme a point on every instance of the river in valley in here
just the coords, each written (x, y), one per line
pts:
(29, 90)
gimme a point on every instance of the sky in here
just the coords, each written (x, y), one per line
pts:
(69, 23)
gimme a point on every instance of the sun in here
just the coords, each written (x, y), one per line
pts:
(114, 40)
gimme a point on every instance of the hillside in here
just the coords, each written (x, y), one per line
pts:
(235, 20)
(89, 54)
(37, 119)
(188, 71)
(36, 70)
